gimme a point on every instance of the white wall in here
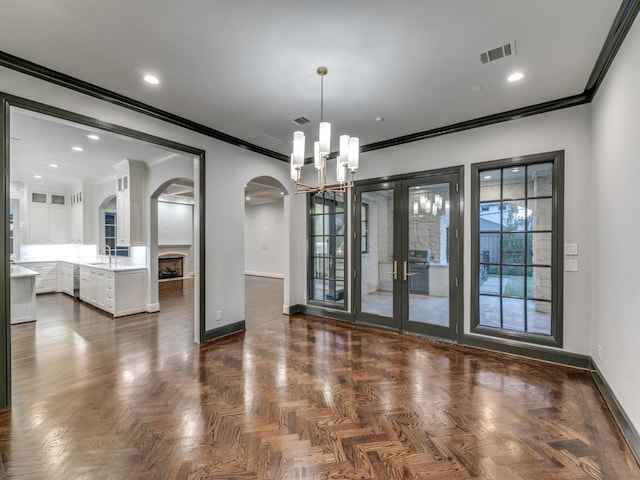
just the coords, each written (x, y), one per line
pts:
(568, 130)
(263, 239)
(616, 226)
(228, 169)
(175, 223)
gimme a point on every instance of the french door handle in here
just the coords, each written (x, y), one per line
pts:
(395, 269)
(406, 273)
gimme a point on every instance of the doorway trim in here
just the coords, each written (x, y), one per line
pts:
(6, 102)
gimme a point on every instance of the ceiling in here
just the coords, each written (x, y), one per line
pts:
(248, 68)
(263, 190)
(39, 141)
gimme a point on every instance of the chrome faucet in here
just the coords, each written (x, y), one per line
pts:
(107, 252)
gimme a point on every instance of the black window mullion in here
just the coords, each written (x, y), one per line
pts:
(501, 262)
(526, 248)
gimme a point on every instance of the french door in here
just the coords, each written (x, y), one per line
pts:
(408, 254)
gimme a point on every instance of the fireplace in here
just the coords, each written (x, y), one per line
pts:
(170, 267)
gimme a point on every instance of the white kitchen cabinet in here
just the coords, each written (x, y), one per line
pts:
(123, 221)
(119, 292)
(38, 224)
(47, 218)
(57, 226)
(67, 277)
(47, 278)
(85, 284)
(75, 218)
(130, 210)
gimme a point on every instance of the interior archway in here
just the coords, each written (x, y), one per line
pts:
(172, 217)
(266, 236)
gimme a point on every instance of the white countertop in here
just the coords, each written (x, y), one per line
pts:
(20, 271)
(115, 267)
(112, 268)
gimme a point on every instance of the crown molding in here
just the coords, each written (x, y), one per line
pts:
(43, 73)
(622, 23)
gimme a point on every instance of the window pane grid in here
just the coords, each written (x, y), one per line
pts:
(326, 257)
(514, 250)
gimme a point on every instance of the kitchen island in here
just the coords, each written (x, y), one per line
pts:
(23, 294)
(117, 290)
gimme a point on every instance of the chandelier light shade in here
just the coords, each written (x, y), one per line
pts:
(298, 149)
(325, 138)
(348, 157)
(340, 170)
(317, 160)
(354, 154)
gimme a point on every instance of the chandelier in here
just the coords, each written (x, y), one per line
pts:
(347, 159)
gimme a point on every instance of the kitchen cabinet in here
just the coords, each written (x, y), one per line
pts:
(47, 218)
(123, 221)
(130, 210)
(75, 218)
(68, 276)
(47, 276)
(118, 292)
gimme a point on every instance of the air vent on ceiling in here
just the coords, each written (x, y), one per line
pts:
(301, 120)
(502, 51)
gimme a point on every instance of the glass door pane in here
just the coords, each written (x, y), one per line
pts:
(427, 261)
(375, 217)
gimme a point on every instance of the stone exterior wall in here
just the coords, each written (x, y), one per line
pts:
(542, 185)
(428, 232)
(380, 239)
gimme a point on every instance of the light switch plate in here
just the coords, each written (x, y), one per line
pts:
(570, 264)
(571, 249)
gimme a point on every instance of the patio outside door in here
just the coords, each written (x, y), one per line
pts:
(409, 255)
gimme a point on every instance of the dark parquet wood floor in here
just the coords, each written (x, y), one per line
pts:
(292, 398)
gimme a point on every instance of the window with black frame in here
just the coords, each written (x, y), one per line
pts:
(327, 249)
(517, 282)
(110, 235)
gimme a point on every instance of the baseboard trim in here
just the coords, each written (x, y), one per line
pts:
(626, 427)
(153, 307)
(530, 351)
(224, 331)
(264, 274)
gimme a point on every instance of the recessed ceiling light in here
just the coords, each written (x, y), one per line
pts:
(54, 165)
(514, 77)
(281, 193)
(77, 149)
(37, 176)
(152, 79)
(487, 177)
(247, 198)
(93, 136)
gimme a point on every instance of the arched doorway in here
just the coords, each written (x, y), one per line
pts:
(265, 247)
(173, 245)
